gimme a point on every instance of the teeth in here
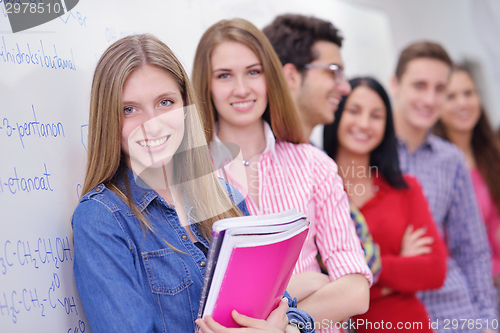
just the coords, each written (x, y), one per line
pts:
(243, 104)
(335, 101)
(424, 111)
(152, 143)
(360, 136)
(463, 114)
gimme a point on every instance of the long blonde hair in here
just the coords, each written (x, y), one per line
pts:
(105, 158)
(281, 112)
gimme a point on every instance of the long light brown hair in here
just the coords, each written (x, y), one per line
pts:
(105, 159)
(281, 112)
(485, 147)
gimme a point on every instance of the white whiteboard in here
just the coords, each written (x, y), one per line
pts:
(45, 77)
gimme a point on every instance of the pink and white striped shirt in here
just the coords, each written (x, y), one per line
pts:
(302, 176)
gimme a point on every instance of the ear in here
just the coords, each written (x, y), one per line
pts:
(394, 86)
(292, 76)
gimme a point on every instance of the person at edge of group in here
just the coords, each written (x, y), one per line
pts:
(362, 138)
(419, 90)
(143, 223)
(465, 123)
(309, 49)
(246, 101)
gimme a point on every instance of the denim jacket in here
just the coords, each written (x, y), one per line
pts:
(128, 279)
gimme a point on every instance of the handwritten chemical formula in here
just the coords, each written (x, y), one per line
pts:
(31, 128)
(41, 299)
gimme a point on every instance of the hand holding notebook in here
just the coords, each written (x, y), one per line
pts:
(250, 262)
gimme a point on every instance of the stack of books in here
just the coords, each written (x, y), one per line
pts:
(250, 262)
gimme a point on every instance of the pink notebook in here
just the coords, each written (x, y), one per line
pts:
(250, 263)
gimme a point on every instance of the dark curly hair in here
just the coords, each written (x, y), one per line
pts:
(293, 37)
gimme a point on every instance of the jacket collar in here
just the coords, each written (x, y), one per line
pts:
(139, 191)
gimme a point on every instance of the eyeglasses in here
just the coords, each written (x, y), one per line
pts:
(336, 70)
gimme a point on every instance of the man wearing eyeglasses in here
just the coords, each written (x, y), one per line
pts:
(309, 49)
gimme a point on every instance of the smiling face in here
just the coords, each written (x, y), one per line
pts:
(362, 126)
(420, 92)
(462, 107)
(153, 118)
(238, 85)
(319, 94)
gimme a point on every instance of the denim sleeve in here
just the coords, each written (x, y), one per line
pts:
(105, 274)
(300, 318)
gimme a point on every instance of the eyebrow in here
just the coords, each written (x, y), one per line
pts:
(163, 95)
(256, 64)
(228, 70)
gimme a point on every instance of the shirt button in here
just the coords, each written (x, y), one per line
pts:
(198, 234)
(184, 236)
(203, 264)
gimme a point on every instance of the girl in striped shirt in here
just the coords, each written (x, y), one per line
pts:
(246, 103)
